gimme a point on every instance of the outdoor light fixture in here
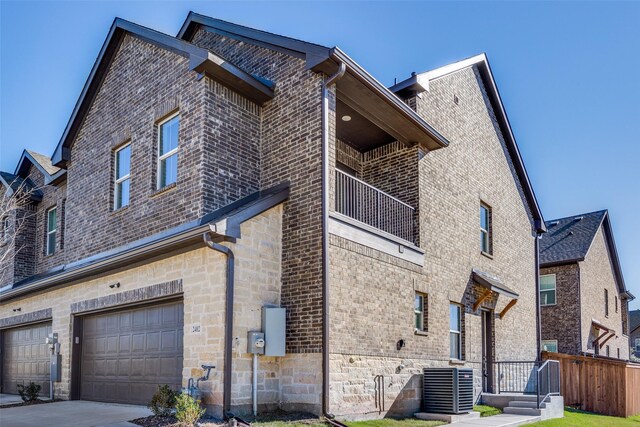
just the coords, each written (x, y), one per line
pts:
(346, 118)
(115, 285)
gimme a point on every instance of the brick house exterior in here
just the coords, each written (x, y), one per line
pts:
(589, 310)
(634, 335)
(408, 171)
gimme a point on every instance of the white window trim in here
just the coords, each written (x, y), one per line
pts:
(555, 289)
(555, 342)
(167, 154)
(458, 332)
(54, 231)
(420, 311)
(486, 231)
(117, 180)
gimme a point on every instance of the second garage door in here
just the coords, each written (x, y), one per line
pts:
(26, 357)
(127, 354)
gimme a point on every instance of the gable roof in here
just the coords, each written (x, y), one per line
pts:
(419, 82)
(569, 239)
(15, 183)
(200, 60)
(52, 174)
(383, 105)
(634, 320)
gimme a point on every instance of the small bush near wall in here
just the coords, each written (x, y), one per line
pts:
(29, 393)
(188, 410)
(163, 401)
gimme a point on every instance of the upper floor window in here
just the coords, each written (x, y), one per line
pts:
(550, 345)
(52, 228)
(637, 344)
(122, 177)
(5, 229)
(548, 289)
(485, 229)
(606, 303)
(168, 151)
(420, 312)
(455, 331)
(616, 303)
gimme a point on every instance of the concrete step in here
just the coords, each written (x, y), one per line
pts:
(522, 411)
(526, 404)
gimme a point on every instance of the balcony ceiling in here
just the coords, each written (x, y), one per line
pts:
(359, 132)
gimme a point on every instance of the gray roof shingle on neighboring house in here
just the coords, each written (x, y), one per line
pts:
(15, 183)
(634, 319)
(569, 239)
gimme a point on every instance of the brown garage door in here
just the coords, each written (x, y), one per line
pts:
(127, 354)
(25, 357)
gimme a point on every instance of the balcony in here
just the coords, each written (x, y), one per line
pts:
(372, 206)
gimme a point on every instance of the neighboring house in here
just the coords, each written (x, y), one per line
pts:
(583, 298)
(397, 227)
(634, 334)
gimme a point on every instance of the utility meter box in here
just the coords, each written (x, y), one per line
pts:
(56, 368)
(274, 327)
(255, 342)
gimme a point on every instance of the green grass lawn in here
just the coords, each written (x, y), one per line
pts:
(487, 411)
(573, 417)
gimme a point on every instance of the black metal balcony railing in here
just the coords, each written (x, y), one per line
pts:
(539, 378)
(365, 203)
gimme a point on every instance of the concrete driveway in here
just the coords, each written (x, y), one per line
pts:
(73, 413)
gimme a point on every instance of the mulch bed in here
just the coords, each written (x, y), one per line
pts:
(206, 421)
(160, 421)
(34, 402)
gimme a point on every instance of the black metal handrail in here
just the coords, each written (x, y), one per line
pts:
(372, 206)
(528, 377)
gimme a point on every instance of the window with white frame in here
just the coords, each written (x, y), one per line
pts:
(548, 289)
(550, 345)
(168, 151)
(420, 310)
(5, 228)
(485, 229)
(52, 228)
(455, 331)
(122, 177)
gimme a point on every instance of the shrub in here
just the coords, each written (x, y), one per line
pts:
(29, 393)
(188, 410)
(163, 401)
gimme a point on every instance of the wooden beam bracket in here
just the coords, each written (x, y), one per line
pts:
(508, 307)
(482, 299)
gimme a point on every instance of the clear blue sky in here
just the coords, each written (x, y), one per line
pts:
(567, 72)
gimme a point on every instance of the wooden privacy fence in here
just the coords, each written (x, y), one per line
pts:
(604, 386)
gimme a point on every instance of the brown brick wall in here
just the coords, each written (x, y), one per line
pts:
(561, 321)
(596, 275)
(290, 150)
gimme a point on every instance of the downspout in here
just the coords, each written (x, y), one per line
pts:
(538, 317)
(228, 331)
(325, 237)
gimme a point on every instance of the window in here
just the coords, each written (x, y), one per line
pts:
(618, 353)
(616, 302)
(485, 229)
(421, 312)
(455, 331)
(168, 151)
(606, 303)
(51, 231)
(122, 177)
(607, 351)
(5, 228)
(637, 340)
(548, 289)
(550, 345)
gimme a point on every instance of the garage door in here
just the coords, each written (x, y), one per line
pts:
(127, 354)
(25, 357)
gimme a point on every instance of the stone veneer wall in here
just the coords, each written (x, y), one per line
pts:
(596, 275)
(561, 321)
(289, 382)
(372, 293)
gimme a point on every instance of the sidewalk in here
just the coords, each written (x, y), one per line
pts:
(502, 420)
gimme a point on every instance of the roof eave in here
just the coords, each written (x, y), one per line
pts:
(330, 64)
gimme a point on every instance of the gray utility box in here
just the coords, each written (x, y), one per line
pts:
(274, 325)
(447, 390)
(255, 342)
(56, 368)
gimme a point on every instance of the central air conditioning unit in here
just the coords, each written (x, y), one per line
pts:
(447, 390)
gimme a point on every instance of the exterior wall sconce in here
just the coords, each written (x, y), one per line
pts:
(115, 285)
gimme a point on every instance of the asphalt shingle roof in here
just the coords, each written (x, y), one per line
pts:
(569, 239)
(634, 319)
